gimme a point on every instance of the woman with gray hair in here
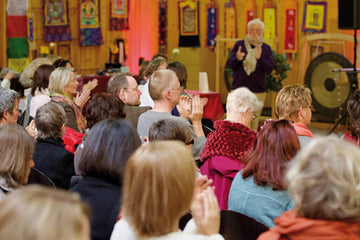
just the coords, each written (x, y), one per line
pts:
(50, 157)
(229, 142)
(324, 183)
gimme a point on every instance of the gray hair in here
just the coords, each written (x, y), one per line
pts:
(49, 120)
(8, 98)
(324, 180)
(59, 78)
(242, 100)
(256, 21)
(117, 82)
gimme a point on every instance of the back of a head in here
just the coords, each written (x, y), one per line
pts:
(49, 121)
(61, 62)
(103, 106)
(41, 77)
(353, 108)
(160, 81)
(107, 149)
(17, 148)
(35, 213)
(290, 99)
(242, 99)
(58, 79)
(158, 187)
(181, 72)
(169, 129)
(275, 145)
(28, 73)
(153, 66)
(324, 180)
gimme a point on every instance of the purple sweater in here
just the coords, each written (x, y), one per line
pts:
(256, 81)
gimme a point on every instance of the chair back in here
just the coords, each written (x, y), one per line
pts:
(37, 177)
(235, 225)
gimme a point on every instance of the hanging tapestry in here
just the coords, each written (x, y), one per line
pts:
(56, 20)
(16, 26)
(230, 22)
(17, 7)
(189, 24)
(163, 26)
(314, 18)
(250, 12)
(211, 27)
(90, 31)
(119, 19)
(291, 14)
(269, 22)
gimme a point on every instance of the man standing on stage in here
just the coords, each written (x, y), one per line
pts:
(251, 59)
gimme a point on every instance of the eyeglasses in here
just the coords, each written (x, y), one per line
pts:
(191, 142)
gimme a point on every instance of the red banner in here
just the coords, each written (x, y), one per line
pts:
(16, 26)
(290, 44)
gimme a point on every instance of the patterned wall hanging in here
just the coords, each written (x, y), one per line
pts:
(189, 24)
(163, 26)
(230, 22)
(119, 18)
(314, 18)
(211, 24)
(56, 20)
(269, 16)
(90, 31)
(250, 12)
(16, 32)
(291, 16)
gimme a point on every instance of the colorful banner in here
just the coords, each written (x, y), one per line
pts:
(230, 22)
(189, 24)
(90, 31)
(291, 29)
(16, 26)
(18, 64)
(17, 7)
(270, 26)
(211, 27)
(163, 26)
(250, 11)
(18, 48)
(119, 18)
(314, 17)
(56, 13)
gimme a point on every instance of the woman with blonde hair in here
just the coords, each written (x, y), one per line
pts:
(324, 182)
(17, 148)
(36, 213)
(159, 186)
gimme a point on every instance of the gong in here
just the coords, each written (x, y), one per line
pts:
(330, 90)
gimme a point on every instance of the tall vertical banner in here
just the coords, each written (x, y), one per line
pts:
(119, 17)
(211, 26)
(291, 16)
(250, 12)
(230, 22)
(270, 26)
(90, 31)
(163, 26)
(56, 20)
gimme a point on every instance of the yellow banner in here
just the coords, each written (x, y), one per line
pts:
(18, 64)
(269, 21)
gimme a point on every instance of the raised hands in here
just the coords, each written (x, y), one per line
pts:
(81, 99)
(239, 54)
(258, 51)
(197, 109)
(90, 85)
(184, 106)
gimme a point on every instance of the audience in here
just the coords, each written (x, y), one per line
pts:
(293, 102)
(225, 147)
(50, 157)
(165, 89)
(259, 190)
(62, 86)
(159, 185)
(125, 87)
(353, 109)
(323, 181)
(102, 162)
(37, 213)
(9, 103)
(16, 151)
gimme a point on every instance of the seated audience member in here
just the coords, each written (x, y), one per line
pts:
(156, 64)
(6, 80)
(294, 103)
(102, 162)
(164, 88)
(9, 103)
(142, 69)
(61, 62)
(39, 90)
(259, 190)
(159, 185)
(62, 86)
(50, 157)
(36, 213)
(16, 151)
(125, 87)
(232, 138)
(26, 76)
(159, 56)
(353, 108)
(323, 181)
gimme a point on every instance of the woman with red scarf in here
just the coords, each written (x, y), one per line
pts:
(323, 182)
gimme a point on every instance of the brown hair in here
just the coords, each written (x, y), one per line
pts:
(49, 120)
(158, 187)
(153, 66)
(41, 77)
(118, 82)
(180, 70)
(169, 129)
(17, 148)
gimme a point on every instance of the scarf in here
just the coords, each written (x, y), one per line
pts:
(250, 59)
(229, 139)
(291, 226)
(302, 130)
(80, 119)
